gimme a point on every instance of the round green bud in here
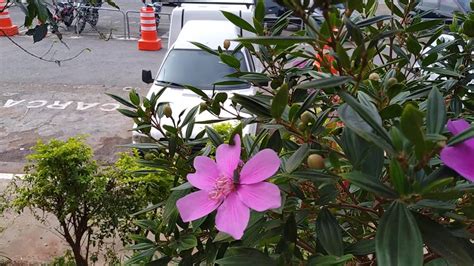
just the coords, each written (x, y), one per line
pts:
(315, 161)
(167, 111)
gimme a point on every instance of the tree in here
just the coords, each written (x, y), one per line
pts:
(89, 201)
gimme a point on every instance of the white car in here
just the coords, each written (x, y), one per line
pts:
(186, 64)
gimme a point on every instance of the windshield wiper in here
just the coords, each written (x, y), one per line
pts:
(169, 83)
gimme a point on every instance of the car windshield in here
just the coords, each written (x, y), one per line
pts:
(199, 68)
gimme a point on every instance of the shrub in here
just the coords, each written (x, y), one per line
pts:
(370, 96)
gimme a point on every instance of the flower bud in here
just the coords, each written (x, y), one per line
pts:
(306, 117)
(374, 76)
(391, 82)
(203, 106)
(149, 156)
(226, 44)
(461, 67)
(167, 111)
(315, 161)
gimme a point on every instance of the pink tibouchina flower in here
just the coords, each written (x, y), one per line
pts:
(460, 157)
(233, 200)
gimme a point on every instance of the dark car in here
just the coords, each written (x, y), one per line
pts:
(443, 8)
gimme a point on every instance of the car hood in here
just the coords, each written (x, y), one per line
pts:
(181, 100)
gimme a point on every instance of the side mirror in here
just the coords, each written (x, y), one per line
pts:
(147, 77)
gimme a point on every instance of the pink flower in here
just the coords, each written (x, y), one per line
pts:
(233, 200)
(460, 157)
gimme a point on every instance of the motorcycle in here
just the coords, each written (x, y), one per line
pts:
(64, 12)
(87, 15)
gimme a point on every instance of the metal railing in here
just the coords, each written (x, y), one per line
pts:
(127, 18)
(109, 9)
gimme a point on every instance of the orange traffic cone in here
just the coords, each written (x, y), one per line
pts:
(149, 40)
(6, 26)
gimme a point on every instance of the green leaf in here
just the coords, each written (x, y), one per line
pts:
(361, 248)
(443, 71)
(423, 25)
(308, 102)
(370, 184)
(245, 256)
(371, 117)
(274, 142)
(186, 242)
(355, 122)
(314, 175)
(329, 233)
(354, 31)
(252, 105)
(411, 124)
(372, 20)
(205, 48)
(275, 40)
(329, 260)
(122, 101)
(280, 101)
(197, 91)
(238, 21)
(398, 178)
(260, 10)
(190, 115)
(214, 136)
(398, 240)
(128, 113)
(364, 156)
(297, 158)
(436, 112)
(461, 137)
(325, 83)
(230, 60)
(442, 242)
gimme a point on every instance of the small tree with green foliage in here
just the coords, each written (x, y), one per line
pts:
(89, 202)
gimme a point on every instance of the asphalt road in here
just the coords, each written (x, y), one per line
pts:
(42, 100)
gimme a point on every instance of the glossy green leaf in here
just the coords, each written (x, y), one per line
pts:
(436, 112)
(330, 260)
(397, 176)
(325, 83)
(279, 102)
(423, 25)
(329, 233)
(275, 40)
(411, 124)
(214, 136)
(297, 158)
(398, 240)
(441, 241)
(361, 247)
(230, 60)
(370, 184)
(245, 256)
(238, 21)
(461, 137)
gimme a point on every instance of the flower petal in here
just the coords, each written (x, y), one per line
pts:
(260, 196)
(196, 205)
(460, 158)
(262, 166)
(232, 216)
(457, 126)
(228, 156)
(205, 175)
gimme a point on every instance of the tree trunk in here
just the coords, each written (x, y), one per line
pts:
(80, 261)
